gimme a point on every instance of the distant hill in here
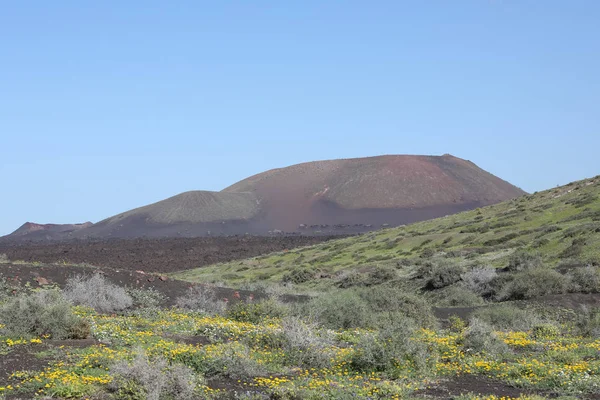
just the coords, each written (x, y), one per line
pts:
(321, 197)
(31, 230)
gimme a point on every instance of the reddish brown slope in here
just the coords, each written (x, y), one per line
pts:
(386, 189)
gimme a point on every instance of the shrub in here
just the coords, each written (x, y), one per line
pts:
(98, 293)
(507, 318)
(376, 276)
(203, 299)
(444, 275)
(391, 349)
(298, 276)
(545, 331)
(303, 346)
(458, 296)
(522, 260)
(40, 313)
(588, 322)
(479, 279)
(534, 283)
(146, 298)
(387, 303)
(256, 311)
(479, 337)
(369, 308)
(4, 258)
(456, 324)
(586, 279)
(152, 380)
(233, 360)
(340, 310)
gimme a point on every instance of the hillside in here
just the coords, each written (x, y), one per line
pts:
(316, 198)
(558, 227)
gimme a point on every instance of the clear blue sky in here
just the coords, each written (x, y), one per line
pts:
(105, 106)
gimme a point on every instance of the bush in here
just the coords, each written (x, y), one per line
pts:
(534, 283)
(98, 293)
(369, 308)
(153, 380)
(302, 345)
(586, 279)
(4, 259)
(545, 331)
(41, 313)
(444, 275)
(233, 360)
(479, 337)
(522, 260)
(391, 349)
(146, 298)
(588, 322)
(479, 279)
(203, 299)
(298, 276)
(376, 276)
(507, 318)
(458, 296)
(256, 311)
(340, 310)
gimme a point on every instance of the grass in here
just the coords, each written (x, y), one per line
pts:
(558, 224)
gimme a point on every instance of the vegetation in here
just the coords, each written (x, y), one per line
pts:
(492, 251)
(372, 334)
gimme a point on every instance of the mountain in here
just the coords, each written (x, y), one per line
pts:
(335, 196)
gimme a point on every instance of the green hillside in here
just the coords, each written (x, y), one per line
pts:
(559, 227)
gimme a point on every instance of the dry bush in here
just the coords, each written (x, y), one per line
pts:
(153, 380)
(303, 345)
(480, 337)
(203, 299)
(478, 279)
(98, 293)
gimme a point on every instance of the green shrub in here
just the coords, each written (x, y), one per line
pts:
(146, 298)
(586, 279)
(479, 337)
(340, 310)
(391, 350)
(545, 331)
(534, 283)
(256, 311)
(522, 260)
(507, 318)
(376, 276)
(444, 275)
(458, 296)
(587, 322)
(387, 303)
(298, 276)
(40, 313)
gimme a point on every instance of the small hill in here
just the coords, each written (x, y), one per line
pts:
(558, 228)
(31, 230)
(322, 197)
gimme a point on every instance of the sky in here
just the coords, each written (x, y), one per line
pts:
(106, 106)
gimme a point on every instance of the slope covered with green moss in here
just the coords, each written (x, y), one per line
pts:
(555, 229)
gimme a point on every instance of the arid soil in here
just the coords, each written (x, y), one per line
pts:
(154, 255)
